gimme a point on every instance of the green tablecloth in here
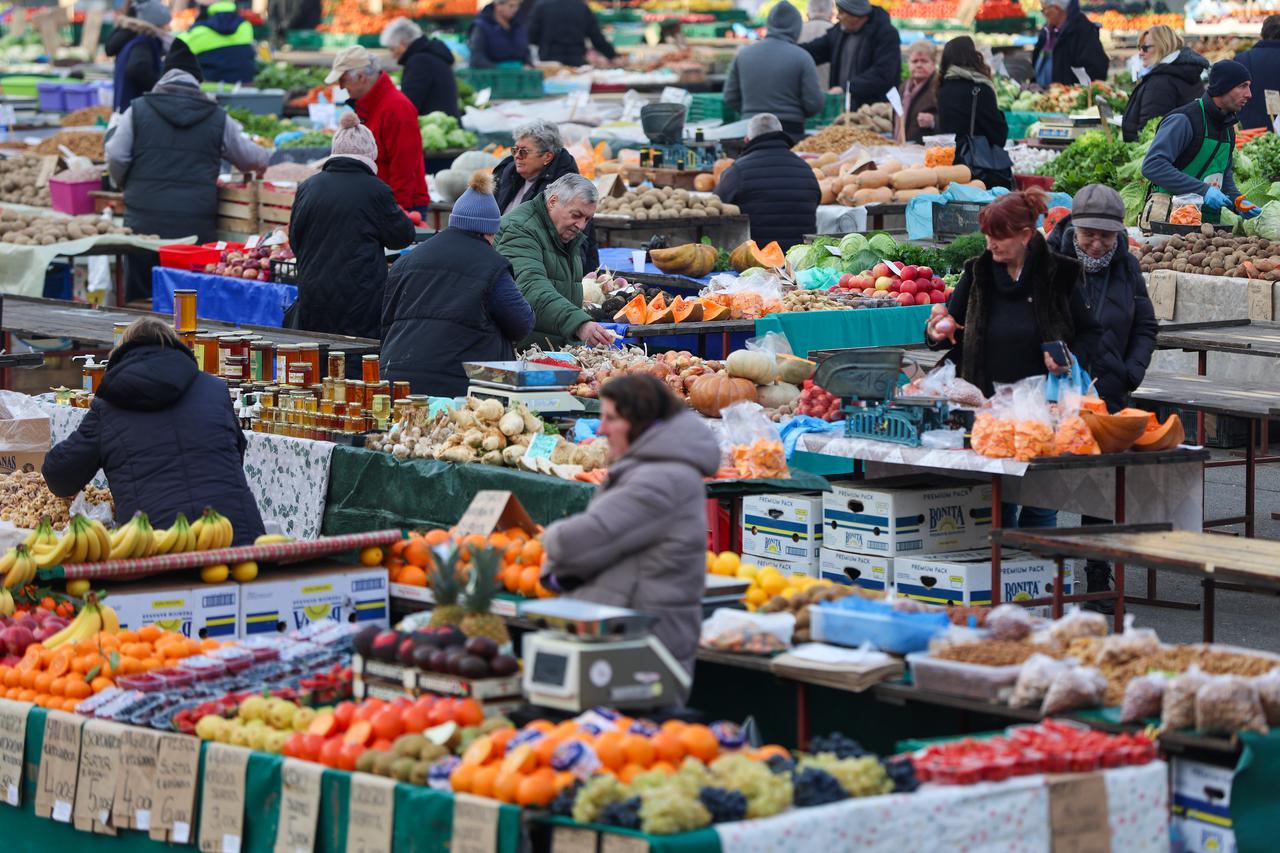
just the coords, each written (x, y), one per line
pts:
(870, 327)
(1254, 817)
(705, 840)
(423, 817)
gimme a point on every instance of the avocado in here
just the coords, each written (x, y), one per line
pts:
(418, 775)
(408, 746)
(402, 768)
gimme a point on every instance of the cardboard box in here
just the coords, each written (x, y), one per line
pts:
(870, 571)
(283, 601)
(906, 515)
(24, 433)
(206, 610)
(1201, 804)
(965, 577)
(784, 527)
(787, 567)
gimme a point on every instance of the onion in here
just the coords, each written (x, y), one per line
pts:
(945, 326)
(938, 308)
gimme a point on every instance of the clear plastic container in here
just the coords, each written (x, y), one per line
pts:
(854, 621)
(957, 678)
(234, 658)
(204, 667)
(172, 678)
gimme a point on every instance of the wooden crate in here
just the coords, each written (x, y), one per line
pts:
(238, 208)
(275, 204)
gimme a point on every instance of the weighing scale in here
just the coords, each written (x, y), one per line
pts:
(1066, 128)
(866, 381)
(540, 387)
(663, 125)
(587, 655)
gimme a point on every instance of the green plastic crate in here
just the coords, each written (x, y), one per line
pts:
(705, 31)
(731, 15)
(620, 16)
(304, 39)
(1020, 122)
(1012, 26)
(22, 85)
(505, 83)
(831, 109)
(709, 106)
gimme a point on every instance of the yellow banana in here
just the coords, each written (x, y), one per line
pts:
(167, 541)
(42, 534)
(272, 539)
(110, 620)
(84, 626)
(123, 548)
(6, 562)
(80, 540)
(228, 532)
(92, 545)
(7, 606)
(118, 535)
(146, 539)
(57, 554)
(104, 539)
(22, 570)
(205, 533)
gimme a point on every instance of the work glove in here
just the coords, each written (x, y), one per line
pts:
(1217, 199)
(1246, 208)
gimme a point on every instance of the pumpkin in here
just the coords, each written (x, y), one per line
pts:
(714, 391)
(777, 394)
(1152, 421)
(750, 255)
(686, 310)
(1115, 433)
(634, 312)
(712, 310)
(1165, 436)
(704, 183)
(760, 367)
(1093, 404)
(794, 369)
(658, 311)
(720, 165)
(692, 259)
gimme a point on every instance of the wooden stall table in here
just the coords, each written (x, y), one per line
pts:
(624, 231)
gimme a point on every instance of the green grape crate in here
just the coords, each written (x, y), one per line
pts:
(505, 82)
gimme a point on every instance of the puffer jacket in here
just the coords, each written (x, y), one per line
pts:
(166, 437)
(1263, 62)
(879, 65)
(641, 540)
(775, 188)
(507, 182)
(1165, 87)
(428, 77)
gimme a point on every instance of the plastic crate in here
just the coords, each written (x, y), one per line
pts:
(304, 39)
(957, 678)
(262, 102)
(831, 109)
(956, 218)
(73, 197)
(854, 621)
(58, 281)
(22, 85)
(284, 272)
(1019, 123)
(709, 106)
(50, 95)
(184, 256)
(505, 83)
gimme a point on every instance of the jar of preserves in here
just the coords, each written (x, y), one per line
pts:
(206, 351)
(369, 368)
(310, 353)
(285, 353)
(300, 374)
(262, 361)
(337, 364)
(399, 390)
(117, 333)
(184, 310)
(234, 368)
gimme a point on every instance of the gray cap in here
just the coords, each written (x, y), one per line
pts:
(855, 7)
(153, 12)
(1099, 207)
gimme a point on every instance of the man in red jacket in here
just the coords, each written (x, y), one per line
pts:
(393, 119)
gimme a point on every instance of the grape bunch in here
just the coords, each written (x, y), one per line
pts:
(767, 793)
(668, 810)
(781, 763)
(599, 792)
(814, 787)
(860, 777)
(840, 745)
(623, 813)
(562, 804)
(902, 772)
(725, 806)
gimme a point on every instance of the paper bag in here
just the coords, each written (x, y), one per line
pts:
(24, 433)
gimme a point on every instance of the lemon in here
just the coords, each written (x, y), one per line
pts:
(215, 574)
(727, 563)
(748, 572)
(245, 572)
(371, 556)
(711, 562)
(78, 587)
(756, 596)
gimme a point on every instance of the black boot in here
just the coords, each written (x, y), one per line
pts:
(1098, 579)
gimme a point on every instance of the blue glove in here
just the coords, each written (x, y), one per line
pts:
(1217, 199)
(1250, 209)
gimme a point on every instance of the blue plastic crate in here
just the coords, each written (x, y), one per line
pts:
(854, 621)
(57, 281)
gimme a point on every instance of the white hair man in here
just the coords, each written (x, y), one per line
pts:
(1068, 40)
(427, 79)
(772, 185)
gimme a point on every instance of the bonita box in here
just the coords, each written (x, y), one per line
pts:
(207, 610)
(285, 601)
(965, 577)
(906, 515)
(782, 527)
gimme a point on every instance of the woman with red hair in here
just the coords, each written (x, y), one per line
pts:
(1011, 301)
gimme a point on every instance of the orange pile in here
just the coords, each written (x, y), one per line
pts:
(409, 560)
(61, 678)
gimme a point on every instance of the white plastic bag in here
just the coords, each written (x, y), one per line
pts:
(1009, 622)
(943, 382)
(1227, 704)
(739, 631)
(1074, 687)
(1143, 697)
(1078, 623)
(1034, 680)
(1178, 708)
(1133, 643)
(755, 445)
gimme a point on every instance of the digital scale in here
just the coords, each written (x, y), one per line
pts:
(541, 388)
(663, 125)
(866, 382)
(586, 655)
(1066, 128)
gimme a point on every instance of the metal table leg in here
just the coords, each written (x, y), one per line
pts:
(1057, 588)
(1118, 568)
(997, 489)
(802, 716)
(1207, 616)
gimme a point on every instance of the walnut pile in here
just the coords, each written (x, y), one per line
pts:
(25, 499)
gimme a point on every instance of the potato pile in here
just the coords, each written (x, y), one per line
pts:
(86, 143)
(809, 300)
(28, 229)
(877, 118)
(18, 181)
(665, 203)
(1209, 254)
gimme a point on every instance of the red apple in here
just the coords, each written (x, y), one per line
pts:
(923, 299)
(909, 271)
(937, 296)
(879, 270)
(924, 272)
(907, 287)
(906, 299)
(845, 281)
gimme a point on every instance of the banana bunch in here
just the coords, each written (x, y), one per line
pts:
(18, 567)
(135, 540)
(85, 541)
(178, 539)
(7, 606)
(43, 534)
(213, 531)
(91, 619)
(272, 539)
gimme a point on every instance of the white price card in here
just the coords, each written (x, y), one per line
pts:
(1081, 75)
(895, 100)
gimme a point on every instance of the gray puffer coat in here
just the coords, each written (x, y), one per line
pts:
(642, 541)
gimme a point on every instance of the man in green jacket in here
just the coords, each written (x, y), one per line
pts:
(543, 241)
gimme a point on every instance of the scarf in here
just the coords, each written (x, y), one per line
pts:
(1092, 264)
(957, 73)
(909, 92)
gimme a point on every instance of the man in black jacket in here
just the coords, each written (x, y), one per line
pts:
(1069, 40)
(560, 30)
(772, 185)
(1263, 63)
(428, 78)
(864, 51)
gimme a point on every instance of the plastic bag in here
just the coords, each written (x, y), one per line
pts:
(1227, 704)
(1009, 622)
(738, 631)
(1178, 709)
(1269, 693)
(1072, 435)
(1078, 623)
(1034, 680)
(1033, 423)
(1133, 643)
(1072, 688)
(755, 446)
(748, 297)
(943, 382)
(770, 342)
(1143, 698)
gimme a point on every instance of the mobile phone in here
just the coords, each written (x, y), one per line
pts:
(1057, 351)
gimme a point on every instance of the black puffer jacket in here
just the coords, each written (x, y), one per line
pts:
(342, 219)
(166, 437)
(1079, 46)
(775, 188)
(1117, 299)
(507, 182)
(1263, 62)
(1166, 87)
(879, 65)
(428, 77)
(561, 28)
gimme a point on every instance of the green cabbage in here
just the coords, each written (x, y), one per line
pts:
(800, 256)
(1267, 223)
(861, 262)
(852, 244)
(883, 245)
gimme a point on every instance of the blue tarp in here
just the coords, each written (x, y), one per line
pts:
(229, 300)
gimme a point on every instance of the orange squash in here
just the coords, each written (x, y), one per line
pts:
(712, 310)
(750, 255)
(686, 310)
(634, 312)
(659, 311)
(719, 167)
(1115, 433)
(1165, 436)
(714, 391)
(1152, 422)
(1093, 404)
(704, 183)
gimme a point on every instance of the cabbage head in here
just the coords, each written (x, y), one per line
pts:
(800, 256)
(1267, 223)
(852, 244)
(883, 245)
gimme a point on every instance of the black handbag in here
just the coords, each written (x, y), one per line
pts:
(988, 163)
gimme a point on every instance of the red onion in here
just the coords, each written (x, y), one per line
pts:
(945, 326)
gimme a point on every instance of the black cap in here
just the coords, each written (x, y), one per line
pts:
(181, 58)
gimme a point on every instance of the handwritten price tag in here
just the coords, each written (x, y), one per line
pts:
(59, 765)
(222, 798)
(13, 743)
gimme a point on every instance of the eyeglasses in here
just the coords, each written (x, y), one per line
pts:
(521, 153)
(1143, 48)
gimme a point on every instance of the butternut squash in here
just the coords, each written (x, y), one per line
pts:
(878, 195)
(949, 174)
(873, 179)
(915, 179)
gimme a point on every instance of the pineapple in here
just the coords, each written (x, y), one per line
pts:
(445, 586)
(479, 622)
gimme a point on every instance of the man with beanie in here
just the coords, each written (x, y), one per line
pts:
(223, 40)
(165, 152)
(453, 299)
(864, 51)
(392, 118)
(1069, 40)
(343, 220)
(138, 43)
(774, 187)
(1194, 146)
(775, 75)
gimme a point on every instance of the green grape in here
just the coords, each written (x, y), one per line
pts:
(767, 793)
(649, 780)
(669, 809)
(599, 792)
(860, 777)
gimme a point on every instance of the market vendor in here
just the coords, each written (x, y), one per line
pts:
(919, 94)
(138, 43)
(1194, 147)
(775, 188)
(165, 152)
(165, 435)
(640, 542)
(561, 29)
(223, 42)
(864, 51)
(428, 79)
(499, 35)
(1170, 77)
(775, 75)
(393, 119)
(1068, 40)
(543, 241)
(537, 159)
(343, 219)
(452, 300)
(1264, 70)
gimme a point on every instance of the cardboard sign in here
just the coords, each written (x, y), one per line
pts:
(13, 745)
(475, 824)
(494, 509)
(135, 783)
(222, 798)
(371, 813)
(299, 805)
(48, 165)
(541, 447)
(96, 785)
(174, 807)
(59, 766)
(1260, 305)
(611, 842)
(1273, 101)
(1078, 815)
(571, 839)
(1162, 286)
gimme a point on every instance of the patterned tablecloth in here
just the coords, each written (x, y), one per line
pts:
(288, 476)
(1010, 817)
